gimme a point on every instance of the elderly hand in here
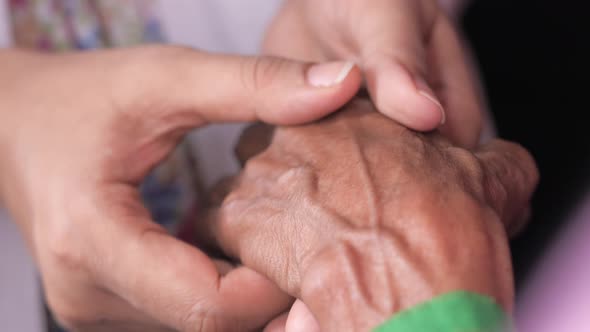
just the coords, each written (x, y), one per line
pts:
(408, 49)
(78, 133)
(360, 218)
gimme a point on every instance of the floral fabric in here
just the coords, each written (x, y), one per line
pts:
(56, 25)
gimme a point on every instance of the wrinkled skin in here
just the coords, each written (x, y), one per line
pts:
(360, 218)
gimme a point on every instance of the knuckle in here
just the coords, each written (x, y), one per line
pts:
(495, 192)
(468, 169)
(297, 177)
(525, 164)
(511, 174)
(414, 143)
(65, 253)
(260, 73)
(265, 167)
(198, 319)
(66, 240)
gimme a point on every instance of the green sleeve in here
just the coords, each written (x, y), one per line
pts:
(452, 312)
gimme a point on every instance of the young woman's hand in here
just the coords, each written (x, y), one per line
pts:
(78, 133)
(415, 67)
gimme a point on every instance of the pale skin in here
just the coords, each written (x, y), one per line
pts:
(80, 131)
(410, 53)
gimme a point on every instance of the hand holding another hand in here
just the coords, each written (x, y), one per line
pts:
(415, 67)
(359, 217)
(78, 134)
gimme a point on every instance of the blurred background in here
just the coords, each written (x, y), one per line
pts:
(533, 57)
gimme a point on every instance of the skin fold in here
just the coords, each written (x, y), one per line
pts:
(360, 217)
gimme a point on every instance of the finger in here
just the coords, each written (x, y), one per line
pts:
(218, 88)
(391, 42)
(298, 319)
(176, 283)
(455, 85)
(510, 178)
(301, 319)
(278, 324)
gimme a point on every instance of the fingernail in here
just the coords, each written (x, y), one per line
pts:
(425, 91)
(325, 75)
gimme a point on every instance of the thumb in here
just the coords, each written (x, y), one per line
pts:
(393, 55)
(510, 178)
(208, 87)
(301, 319)
(174, 282)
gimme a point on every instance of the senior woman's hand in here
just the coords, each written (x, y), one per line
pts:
(78, 132)
(415, 67)
(360, 217)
